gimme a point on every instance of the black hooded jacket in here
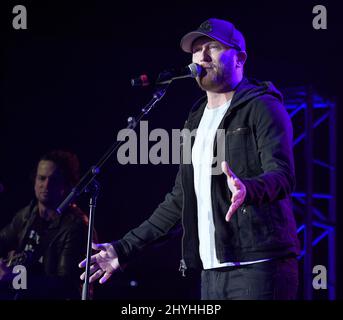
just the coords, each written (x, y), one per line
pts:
(258, 148)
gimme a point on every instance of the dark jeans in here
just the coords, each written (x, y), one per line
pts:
(271, 280)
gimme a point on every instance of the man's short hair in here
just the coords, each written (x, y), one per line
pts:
(67, 162)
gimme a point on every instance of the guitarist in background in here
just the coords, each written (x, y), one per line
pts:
(47, 244)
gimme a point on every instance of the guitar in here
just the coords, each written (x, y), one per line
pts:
(14, 258)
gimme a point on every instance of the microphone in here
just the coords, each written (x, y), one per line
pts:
(191, 71)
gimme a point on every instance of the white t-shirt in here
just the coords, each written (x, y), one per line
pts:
(202, 157)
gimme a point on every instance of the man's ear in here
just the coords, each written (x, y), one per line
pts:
(241, 58)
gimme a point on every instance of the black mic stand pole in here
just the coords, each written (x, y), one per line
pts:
(94, 190)
(88, 182)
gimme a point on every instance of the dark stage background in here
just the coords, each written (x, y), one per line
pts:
(65, 83)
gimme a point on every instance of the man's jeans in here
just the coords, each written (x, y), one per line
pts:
(271, 280)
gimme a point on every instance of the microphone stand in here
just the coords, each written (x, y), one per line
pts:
(88, 182)
(94, 190)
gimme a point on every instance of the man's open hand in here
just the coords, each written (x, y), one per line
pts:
(237, 189)
(104, 263)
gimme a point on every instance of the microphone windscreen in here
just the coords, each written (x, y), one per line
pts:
(195, 69)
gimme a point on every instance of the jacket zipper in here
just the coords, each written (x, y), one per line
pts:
(183, 266)
(238, 130)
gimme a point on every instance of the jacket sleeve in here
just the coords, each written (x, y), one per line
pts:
(73, 251)
(274, 137)
(166, 216)
(64, 283)
(9, 234)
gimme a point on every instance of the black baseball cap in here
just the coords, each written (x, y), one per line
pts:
(217, 29)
